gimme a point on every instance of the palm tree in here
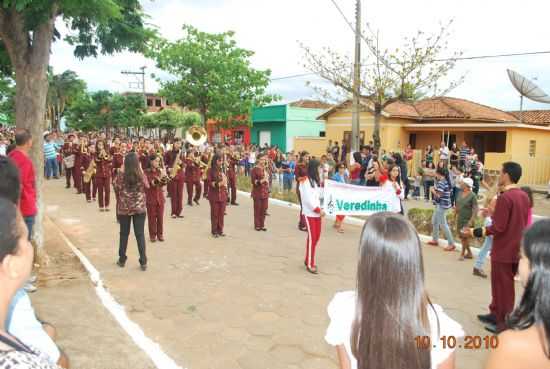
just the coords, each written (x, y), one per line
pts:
(62, 90)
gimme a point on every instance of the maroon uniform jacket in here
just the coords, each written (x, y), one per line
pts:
(217, 191)
(259, 190)
(69, 150)
(232, 167)
(143, 157)
(103, 167)
(169, 159)
(509, 222)
(85, 161)
(154, 195)
(192, 171)
(118, 161)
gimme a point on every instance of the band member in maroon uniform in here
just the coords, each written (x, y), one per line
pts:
(88, 170)
(260, 192)
(232, 162)
(115, 147)
(205, 164)
(154, 197)
(193, 178)
(301, 172)
(68, 152)
(217, 195)
(174, 166)
(118, 154)
(77, 174)
(103, 162)
(143, 155)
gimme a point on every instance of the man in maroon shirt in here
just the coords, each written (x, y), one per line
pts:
(20, 157)
(509, 222)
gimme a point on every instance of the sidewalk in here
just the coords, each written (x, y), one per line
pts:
(242, 302)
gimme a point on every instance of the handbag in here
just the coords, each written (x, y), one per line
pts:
(69, 161)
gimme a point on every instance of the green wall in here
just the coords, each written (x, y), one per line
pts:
(277, 129)
(285, 122)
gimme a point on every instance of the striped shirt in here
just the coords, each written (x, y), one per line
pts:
(444, 194)
(50, 150)
(464, 151)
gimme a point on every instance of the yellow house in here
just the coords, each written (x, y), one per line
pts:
(496, 135)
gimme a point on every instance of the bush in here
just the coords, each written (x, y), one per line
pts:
(422, 221)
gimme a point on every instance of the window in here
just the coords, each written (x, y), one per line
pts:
(412, 140)
(322, 134)
(217, 138)
(158, 102)
(532, 148)
(149, 102)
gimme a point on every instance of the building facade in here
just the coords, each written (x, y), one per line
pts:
(281, 125)
(496, 135)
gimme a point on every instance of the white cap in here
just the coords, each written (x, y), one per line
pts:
(468, 182)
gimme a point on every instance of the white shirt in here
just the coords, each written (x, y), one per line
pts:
(252, 157)
(341, 311)
(311, 198)
(3, 149)
(444, 153)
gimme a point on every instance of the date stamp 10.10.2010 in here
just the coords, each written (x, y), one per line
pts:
(451, 342)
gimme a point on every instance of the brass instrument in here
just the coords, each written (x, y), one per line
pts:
(89, 172)
(205, 166)
(176, 166)
(103, 155)
(162, 179)
(196, 136)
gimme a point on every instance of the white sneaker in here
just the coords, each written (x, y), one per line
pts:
(30, 288)
(33, 278)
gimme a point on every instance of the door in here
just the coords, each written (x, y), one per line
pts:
(479, 146)
(265, 138)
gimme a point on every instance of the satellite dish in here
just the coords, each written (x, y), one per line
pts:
(528, 89)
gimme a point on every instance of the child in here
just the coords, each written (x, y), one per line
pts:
(416, 191)
(487, 213)
(341, 176)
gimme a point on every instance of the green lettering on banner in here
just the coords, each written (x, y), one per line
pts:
(357, 206)
(384, 207)
(346, 206)
(339, 204)
(365, 205)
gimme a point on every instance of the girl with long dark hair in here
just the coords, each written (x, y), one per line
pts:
(310, 192)
(130, 185)
(217, 195)
(527, 343)
(380, 325)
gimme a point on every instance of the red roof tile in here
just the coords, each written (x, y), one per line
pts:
(536, 117)
(310, 104)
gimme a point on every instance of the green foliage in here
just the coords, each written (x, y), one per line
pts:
(62, 90)
(171, 119)
(103, 109)
(212, 75)
(7, 100)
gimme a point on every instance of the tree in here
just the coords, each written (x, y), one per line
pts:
(7, 103)
(403, 74)
(62, 90)
(171, 120)
(212, 75)
(27, 30)
(103, 110)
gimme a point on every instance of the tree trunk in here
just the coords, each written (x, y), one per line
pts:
(203, 117)
(376, 130)
(30, 106)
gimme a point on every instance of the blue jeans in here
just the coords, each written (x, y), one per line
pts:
(51, 167)
(29, 221)
(483, 252)
(439, 219)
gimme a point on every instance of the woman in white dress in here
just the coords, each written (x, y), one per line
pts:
(389, 321)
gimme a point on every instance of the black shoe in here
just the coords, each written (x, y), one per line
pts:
(189, 204)
(487, 318)
(121, 263)
(234, 204)
(143, 267)
(312, 270)
(179, 216)
(196, 202)
(221, 234)
(67, 186)
(266, 214)
(492, 328)
(258, 229)
(264, 229)
(215, 235)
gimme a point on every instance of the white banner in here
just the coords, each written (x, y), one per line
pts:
(346, 199)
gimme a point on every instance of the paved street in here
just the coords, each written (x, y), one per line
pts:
(240, 302)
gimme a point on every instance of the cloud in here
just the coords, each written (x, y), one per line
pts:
(272, 30)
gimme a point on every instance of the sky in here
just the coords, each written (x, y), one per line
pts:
(274, 29)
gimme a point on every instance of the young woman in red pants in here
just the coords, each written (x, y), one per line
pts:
(310, 193)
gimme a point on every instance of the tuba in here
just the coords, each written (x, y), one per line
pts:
(196, 136)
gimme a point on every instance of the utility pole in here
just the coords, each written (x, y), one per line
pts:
(355, 124)
(142, 74)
